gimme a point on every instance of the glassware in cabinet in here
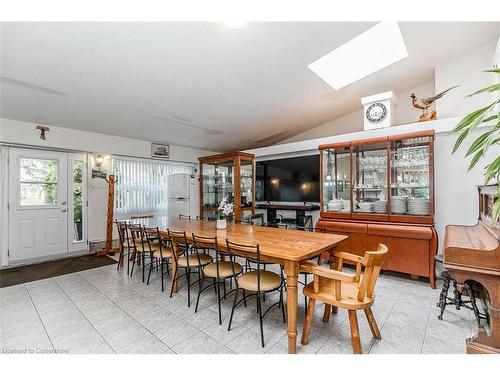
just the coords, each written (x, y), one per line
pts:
(227, 176)
(336, 177)
(369, 178)
(246, 177)
(411, 179)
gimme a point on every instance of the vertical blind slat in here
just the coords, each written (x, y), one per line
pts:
(142, 186)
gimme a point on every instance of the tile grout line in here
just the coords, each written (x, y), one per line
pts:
(178, 316)
(114, 303)
(152, 333)
(81, 312)
(383, 324)
(39, 317)
(170, 312)
(149, 299)
(174, 313)
(426, 326)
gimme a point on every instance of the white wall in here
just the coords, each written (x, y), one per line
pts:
(456, 192)
(403, 113)
(20, 132)
(24, 133)
(467, 71)
(455, 189)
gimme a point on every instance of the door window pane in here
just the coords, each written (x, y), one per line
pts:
(77, 200)
(38, 181)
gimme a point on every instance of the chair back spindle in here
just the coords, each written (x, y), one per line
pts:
(372, 261)
(251, 252)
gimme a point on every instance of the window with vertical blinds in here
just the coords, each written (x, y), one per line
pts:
(142, 186)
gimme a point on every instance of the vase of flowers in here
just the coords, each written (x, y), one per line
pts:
(225, 210)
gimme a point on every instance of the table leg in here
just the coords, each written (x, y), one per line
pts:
(292, 272)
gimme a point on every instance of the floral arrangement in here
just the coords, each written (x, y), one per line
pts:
(225, 208)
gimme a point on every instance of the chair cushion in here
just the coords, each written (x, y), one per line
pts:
(154, 246)
(225, 269)
(268, 281)
(165, 253)
(193, 260)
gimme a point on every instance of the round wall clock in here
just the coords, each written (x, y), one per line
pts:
(376, 112)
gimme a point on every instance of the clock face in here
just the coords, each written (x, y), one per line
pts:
(376, 112)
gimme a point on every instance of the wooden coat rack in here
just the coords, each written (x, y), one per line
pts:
(108, 248)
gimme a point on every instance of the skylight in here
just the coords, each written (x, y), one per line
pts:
(367, 53)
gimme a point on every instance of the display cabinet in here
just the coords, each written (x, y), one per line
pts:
(381, 190)
(384, 179)
(229, 176)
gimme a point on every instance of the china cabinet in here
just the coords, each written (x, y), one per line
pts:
(229, 176)
(381, 190)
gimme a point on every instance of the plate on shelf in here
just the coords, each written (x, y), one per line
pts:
(364, 211)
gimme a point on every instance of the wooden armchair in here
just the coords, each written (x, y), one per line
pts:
(349, 291)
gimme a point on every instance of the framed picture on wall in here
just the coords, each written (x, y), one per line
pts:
(160, 151)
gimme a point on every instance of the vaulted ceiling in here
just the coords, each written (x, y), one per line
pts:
(202, 84)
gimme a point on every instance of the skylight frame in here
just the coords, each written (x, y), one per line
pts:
(371, 51)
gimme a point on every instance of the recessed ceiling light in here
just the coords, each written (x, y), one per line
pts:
(367, 53)
(235, 25)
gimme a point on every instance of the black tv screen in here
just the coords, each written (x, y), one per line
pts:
(288, 180)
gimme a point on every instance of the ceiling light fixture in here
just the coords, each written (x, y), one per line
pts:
(235, 25)
(367, 53)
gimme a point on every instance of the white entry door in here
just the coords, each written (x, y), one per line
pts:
(41, 203)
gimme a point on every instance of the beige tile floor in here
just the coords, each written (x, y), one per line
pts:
(105, 311)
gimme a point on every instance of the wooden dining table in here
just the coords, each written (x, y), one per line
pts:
(287, 247)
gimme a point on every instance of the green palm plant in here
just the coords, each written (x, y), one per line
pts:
(483, 143)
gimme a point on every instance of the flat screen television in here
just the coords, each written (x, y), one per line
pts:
(288, 180)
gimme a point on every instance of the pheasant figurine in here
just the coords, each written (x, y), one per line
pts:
(425, 103)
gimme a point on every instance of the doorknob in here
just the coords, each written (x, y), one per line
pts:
(63, 210)
(63, 203)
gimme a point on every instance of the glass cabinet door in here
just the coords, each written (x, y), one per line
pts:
(246, 176)
(336, 180)
(369, 178)
(217, 183)
(410, 176)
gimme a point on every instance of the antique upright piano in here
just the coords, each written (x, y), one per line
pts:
(472, 257)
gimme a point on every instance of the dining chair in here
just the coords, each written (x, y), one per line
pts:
(186, 260)
(219, 271)
(305, 222)
(125, 244)
(257, 219)
(160, 252)
(353, 292)
(256, 282)
(317, 259)
(140, 251)
(206, 218)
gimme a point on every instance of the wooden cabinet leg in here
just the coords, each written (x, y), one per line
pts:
(308, 321)
(355, 338)
(373, 323)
